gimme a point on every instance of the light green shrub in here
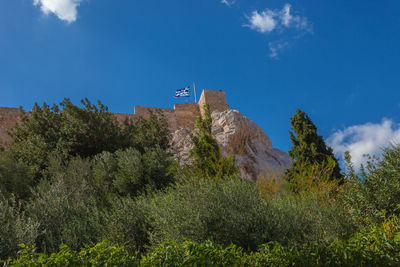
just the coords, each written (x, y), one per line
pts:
(376, 191)
(15, 228)
(233, 211)
(65, 207)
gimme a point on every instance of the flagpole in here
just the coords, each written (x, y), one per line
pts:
(194, 87)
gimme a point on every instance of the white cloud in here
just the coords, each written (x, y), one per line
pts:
(263, 22)
(64, 9)
(268, 20)
(364, 139)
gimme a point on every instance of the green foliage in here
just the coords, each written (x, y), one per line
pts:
(102, 254)
(143, 134)
(207, 159)
(190, 253)
(233, 211)
(65, 207)
(129, 172)
(125, 223)
(15, 177)
(376, 192)
(83, 132)
(308, 148)
(15, 228)
(228, 212)
(374, 246)
(74, 131)
(75, 177)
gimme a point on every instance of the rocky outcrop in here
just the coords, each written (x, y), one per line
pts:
(242, 137)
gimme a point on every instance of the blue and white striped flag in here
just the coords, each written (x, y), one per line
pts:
(182, 92)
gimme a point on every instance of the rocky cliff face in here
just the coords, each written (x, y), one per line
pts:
(242, 137)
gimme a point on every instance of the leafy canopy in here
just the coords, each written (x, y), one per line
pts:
(68, 130)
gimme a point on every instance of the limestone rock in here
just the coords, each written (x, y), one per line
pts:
(181, 144)
(237, 135)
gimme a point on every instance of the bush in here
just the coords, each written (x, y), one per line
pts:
(125, 223)
(376, 191)
(15, 177)
(102, 254)
(65, 207)
(233, 211)
(15, 228)
(129, 172)
(230, 211)
(375, 246)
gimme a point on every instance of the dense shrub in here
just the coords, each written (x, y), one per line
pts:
(15, 177)
(375, 246)
(129, 172)
(233, 211)
(230, 211)
(102, 254)
(65, 207)
(375, 192)
(15, 228)
(125, 223)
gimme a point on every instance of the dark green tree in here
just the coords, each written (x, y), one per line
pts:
(308, 148)
(206, 154)
(68, 131)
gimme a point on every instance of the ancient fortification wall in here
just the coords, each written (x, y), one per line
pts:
(181, 116)
(184, 115)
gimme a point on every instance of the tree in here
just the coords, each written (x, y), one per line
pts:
(308, 148)
(208, 160)
(69, 131)
(72, 131)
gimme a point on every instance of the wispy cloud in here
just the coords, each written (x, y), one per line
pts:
(369, 138)
(268, 21)
(275, 48)
(64, 9)
(228, 2)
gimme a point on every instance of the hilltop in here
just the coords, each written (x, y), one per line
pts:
(236, 134)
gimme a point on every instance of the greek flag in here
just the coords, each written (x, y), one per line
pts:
(182, 92)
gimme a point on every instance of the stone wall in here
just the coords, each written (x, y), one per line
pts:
(215, 99)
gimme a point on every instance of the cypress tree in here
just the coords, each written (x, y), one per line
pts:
(308, 147)
(208, 161)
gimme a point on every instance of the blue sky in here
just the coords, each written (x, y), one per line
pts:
(336, 60)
